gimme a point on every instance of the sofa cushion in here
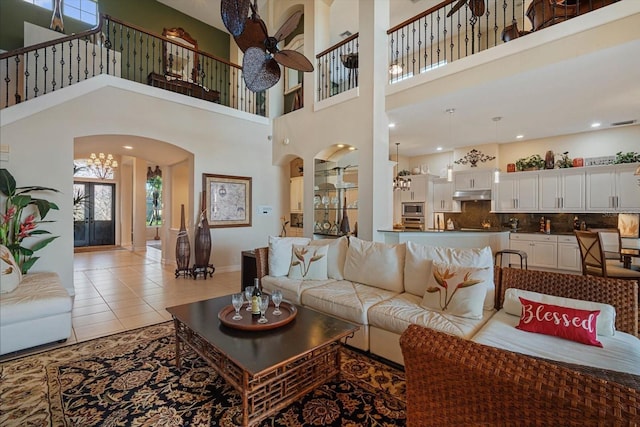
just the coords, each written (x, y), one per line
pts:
(336, 256)
(308, 262)
(291, 289)
(10, 274)
(39, 295)
(344, 299)
(459, 291)
(375, 264)
(280, 253)
(562, 322)
(397, 313)
(417, 268)
(606, 323)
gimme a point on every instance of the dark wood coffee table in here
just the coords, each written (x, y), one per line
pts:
(269, 368)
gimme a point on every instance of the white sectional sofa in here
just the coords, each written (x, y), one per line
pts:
(384, 288)
(36, 312)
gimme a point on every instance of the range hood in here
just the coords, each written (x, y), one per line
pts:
(472, 195)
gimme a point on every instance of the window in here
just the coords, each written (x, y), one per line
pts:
(82, 10)
(47, 4)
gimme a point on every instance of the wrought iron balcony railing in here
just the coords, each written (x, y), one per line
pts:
(337, 68)
(129, 52)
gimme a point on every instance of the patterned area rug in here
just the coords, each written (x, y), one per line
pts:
(130, 379)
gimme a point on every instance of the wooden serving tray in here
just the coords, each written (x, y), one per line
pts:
(250, 323)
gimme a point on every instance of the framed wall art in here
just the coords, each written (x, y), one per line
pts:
(228, 200)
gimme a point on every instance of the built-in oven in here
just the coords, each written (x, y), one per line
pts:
(413, 209)
(413, 223)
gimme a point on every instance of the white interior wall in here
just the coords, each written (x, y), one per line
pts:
(228, 143)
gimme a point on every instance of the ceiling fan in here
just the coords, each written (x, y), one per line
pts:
(476, 6)
(260, 68)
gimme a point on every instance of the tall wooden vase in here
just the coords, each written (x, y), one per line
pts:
(183, 248)
(344, 224)
(202, 246)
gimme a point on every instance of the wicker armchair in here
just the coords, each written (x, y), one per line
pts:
(455, 382)
(451, 381)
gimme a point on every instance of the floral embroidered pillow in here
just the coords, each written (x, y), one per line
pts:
(10, 274)
(562, 322)
(308, 262)
(456, 290)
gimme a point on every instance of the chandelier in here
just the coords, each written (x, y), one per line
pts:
(400, 182)
(151, 174)
(102, 165)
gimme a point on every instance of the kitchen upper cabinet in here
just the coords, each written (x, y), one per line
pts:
(442, 196)
(516, 192)
(474, 180)
(561, 190)
(612, 188)
(297, 194)
(418, 190)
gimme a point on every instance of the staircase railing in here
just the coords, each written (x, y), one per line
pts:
(124, 50)
(337, 68)
(446, 32)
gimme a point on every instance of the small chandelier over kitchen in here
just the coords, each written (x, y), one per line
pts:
(102, 165)
(400, 182)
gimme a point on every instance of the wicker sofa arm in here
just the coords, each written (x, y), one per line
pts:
(262, 262)
(451, 381)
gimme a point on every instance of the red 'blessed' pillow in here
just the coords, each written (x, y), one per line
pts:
(563, 322)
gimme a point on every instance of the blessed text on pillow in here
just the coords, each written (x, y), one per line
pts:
(562, 322)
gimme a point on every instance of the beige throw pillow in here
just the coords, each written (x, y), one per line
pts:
(308, 262)
(455, 290)
(280, 253)
(336, 255)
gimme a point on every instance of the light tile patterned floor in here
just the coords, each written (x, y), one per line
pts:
(119, 290)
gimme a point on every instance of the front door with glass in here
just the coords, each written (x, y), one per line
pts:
(94, 214)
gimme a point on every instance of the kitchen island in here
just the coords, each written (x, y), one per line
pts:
(497, 239)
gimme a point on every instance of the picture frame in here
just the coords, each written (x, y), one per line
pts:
(227, 200)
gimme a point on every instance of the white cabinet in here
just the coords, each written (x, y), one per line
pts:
(297, 194)
(612, 188)
(561, 190)
(442, 196)
(569, 258)
(418, 190)
(516, 192)
(474, 180)
(541, 249)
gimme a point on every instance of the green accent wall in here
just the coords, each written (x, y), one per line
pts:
(149, 14)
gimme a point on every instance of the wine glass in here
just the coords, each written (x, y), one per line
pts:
(248, 291)
(276, 297)
(264, 303)
(237, 300)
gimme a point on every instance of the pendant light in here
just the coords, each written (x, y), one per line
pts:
(400, 182)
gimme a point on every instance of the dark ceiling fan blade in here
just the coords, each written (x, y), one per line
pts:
(456, 7)
(289, 25)
(259, 70)
(254, 34)
(477, 7)
(234, 14)
(293, 59)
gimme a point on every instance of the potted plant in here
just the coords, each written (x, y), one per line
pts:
(14, 229)
(630, 157)
(565, 161)
(533, 162)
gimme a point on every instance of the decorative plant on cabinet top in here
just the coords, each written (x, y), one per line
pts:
(14, 229)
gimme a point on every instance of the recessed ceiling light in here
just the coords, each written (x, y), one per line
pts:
(595, 124)
(340, 145)
(392, 125)
(438, 148)
(519, 136)
(352, 148)
(127, 147)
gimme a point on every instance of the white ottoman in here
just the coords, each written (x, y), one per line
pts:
(37, 312)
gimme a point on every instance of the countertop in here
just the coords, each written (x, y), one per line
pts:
(479, 230)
